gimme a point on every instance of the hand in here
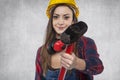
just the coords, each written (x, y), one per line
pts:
(68, 61)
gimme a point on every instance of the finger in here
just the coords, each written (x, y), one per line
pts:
(66, 61)
(67, 66)
(67, 56)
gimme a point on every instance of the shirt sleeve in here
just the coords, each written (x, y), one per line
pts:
(38, 69)
(93, 63)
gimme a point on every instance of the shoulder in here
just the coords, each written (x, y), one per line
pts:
(38, 64)
(38, 53)
(87, 40)
(39, 49)
(89, 43)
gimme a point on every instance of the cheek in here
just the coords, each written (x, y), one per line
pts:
(69, 22)
(54, 25)
(54, 22)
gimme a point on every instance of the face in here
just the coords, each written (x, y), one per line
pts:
(62, 19)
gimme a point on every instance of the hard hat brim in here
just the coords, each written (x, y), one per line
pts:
(76, 9)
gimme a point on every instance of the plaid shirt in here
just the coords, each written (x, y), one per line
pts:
(87, 50)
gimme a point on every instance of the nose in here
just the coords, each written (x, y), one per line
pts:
(60, 21)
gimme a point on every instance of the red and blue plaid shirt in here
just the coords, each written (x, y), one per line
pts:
(87, 50)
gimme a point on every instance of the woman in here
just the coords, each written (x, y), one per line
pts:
(84, 61)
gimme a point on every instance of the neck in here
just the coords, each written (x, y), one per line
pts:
(58, 36)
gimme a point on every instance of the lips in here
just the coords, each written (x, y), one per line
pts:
(61, 28)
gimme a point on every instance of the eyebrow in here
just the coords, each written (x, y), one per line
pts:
(64, 14)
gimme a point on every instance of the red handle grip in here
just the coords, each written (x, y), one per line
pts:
(63, 70)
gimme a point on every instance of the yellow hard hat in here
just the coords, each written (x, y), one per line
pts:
(52, 3)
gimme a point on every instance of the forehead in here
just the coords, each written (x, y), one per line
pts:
(63, 10)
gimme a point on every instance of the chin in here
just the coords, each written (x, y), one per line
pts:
(59, 33)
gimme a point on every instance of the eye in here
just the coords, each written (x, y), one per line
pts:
(66, 17)
(55, 16)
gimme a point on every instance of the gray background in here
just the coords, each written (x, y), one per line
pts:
(22, 30)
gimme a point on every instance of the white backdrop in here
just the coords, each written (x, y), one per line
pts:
(22, 30)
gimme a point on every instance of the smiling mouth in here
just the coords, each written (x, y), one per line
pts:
(61, 28)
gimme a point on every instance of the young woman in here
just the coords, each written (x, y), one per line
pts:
(84, 61)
